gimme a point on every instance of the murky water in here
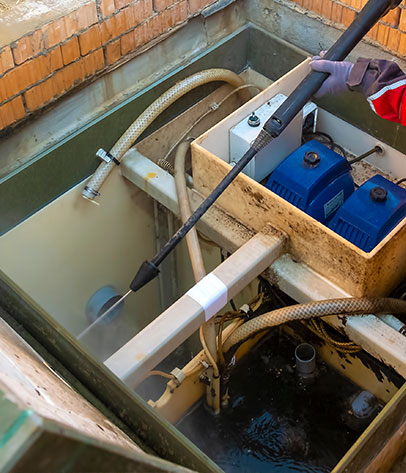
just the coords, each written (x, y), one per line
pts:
(274, 423)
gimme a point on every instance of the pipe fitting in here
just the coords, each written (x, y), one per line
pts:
(305, 356)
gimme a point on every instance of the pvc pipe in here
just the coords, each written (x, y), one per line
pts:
(92, 188)
(305, 356)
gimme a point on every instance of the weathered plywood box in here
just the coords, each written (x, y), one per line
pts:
(310, 242)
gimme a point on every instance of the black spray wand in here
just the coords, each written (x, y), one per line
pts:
(364, 21)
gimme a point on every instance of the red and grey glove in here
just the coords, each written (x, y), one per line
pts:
(339, 73)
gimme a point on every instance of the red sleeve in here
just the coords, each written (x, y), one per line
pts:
(384, 85)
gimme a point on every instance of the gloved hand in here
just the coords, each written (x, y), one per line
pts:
(339, 72)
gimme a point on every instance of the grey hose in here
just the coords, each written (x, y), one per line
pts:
(207, 331)
(192, 239)
(149, 115)
(350, 306)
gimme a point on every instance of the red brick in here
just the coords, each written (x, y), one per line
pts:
(336, 12)
(69, 77)
(71, 23)
(167, 19)
(122, 3)
(11, 111)
(130, 41)
(138, 13)
(107, 8)
(160, 5)
(347, 16)
(327, 9)
(39, 95)
(6, 60)
(402, 20)
(402, 45)
(54, 33)
(317, 6)
(87, 16)
(54, 87)
(197, 5)
(373, 32)
(90, 40)
(393, 39)
(136, 38)
(383, 34)
(28, 73)
(28, 47)
(392, 17)
(93, 62)
(113, 52)
(70, 50)
(22, 50)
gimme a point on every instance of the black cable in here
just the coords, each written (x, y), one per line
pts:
(401, 181)
(341, 149)
(325, 139)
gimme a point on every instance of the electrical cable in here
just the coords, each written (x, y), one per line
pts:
(319, 327)
(160, 373)
(213, 107)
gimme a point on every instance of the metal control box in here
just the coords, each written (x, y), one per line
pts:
(245, 132)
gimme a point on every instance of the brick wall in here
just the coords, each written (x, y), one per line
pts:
(389, 33)
(47, 63)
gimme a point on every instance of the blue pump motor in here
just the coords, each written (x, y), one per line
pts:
(370, 213)
(315, 179)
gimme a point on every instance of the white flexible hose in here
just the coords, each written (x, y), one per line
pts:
(92, 188)
(350, 306)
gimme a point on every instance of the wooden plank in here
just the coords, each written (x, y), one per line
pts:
(150, 346)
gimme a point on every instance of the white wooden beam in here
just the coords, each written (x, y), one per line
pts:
(164, 334)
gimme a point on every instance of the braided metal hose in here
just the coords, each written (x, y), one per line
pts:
(350, 306)
(149, 115)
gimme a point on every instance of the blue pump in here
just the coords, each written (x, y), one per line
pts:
(315, 179)
(370, 213)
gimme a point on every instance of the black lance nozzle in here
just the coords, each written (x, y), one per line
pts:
(363, 22)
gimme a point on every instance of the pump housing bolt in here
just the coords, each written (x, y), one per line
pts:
(311, 158)
(378, 194)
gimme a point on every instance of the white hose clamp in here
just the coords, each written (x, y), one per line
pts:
(178, 375)
(107, 157)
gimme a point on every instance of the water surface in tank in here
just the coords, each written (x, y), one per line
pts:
(275, 423)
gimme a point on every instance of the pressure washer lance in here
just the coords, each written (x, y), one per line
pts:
(364, 21)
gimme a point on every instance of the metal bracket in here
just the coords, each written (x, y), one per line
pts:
(107, 157)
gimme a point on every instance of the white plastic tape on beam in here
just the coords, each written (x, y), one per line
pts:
(210, 293)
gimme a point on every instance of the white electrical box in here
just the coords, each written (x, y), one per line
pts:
(244, 133)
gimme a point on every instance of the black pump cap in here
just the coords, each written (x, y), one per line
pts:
(311, 158)
(378, 194)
